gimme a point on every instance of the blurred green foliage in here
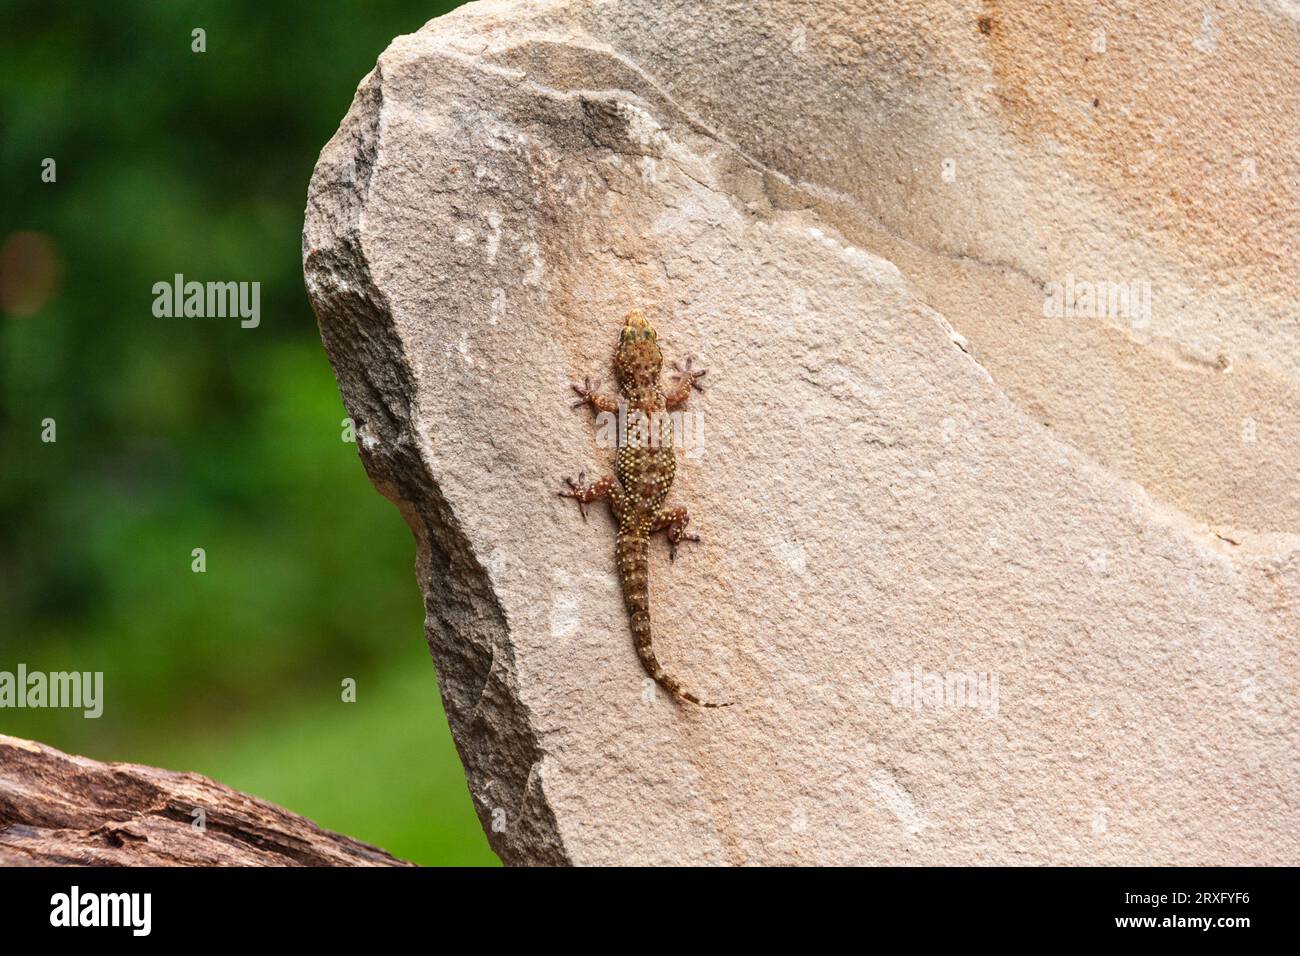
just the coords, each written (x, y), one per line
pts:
(181, 433)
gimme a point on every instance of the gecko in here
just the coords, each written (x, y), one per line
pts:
(644, 472)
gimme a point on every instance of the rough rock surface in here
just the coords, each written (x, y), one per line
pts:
(853, 213)
(61, 810)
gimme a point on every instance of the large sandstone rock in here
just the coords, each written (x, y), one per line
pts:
(856, 215)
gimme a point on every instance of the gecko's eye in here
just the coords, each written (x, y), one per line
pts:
(647, 333)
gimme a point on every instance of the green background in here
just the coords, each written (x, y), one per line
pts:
(181, 433)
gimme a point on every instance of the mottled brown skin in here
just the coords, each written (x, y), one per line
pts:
(645, 472)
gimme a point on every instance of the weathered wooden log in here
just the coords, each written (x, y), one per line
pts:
(62, 810)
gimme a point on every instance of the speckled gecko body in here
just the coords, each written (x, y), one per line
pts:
(645, 469)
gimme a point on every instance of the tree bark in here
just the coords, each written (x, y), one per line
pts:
(62, 810)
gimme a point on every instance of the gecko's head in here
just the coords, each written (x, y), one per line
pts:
(638, 360)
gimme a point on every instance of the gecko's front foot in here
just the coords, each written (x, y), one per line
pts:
(586, 392)
(687, 374)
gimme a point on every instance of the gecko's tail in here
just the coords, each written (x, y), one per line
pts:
(634, 571)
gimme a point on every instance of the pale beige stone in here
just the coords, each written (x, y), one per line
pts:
(850, 213)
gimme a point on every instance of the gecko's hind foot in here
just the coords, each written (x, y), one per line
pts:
(674, 540)
(674, 521)
(672, 545)
(685, 372)
(579, 490)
